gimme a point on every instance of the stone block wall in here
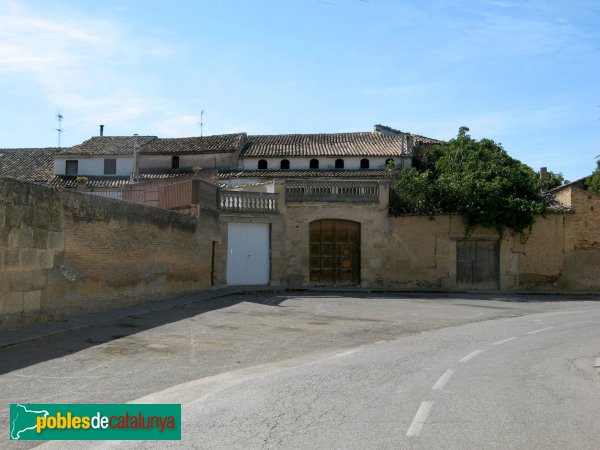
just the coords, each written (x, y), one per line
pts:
(68, 253)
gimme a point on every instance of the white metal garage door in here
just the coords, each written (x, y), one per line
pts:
(247, 253)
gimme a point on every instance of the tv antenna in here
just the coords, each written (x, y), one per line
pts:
(59, 116)
(201, 123)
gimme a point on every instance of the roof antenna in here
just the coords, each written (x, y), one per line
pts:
(59, 129)
(201, 123)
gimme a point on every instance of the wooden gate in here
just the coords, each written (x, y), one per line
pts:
(477, 264)
(334, 252)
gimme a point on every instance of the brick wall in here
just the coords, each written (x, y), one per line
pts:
(68, 253)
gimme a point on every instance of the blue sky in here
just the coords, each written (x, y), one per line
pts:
(523, 73)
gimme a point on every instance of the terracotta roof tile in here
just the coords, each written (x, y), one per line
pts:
(108, 145)
(339, 144)
(116, 182)
(123, 145)
(27, 164)
(389, 131)
(224, 143)
(309, 173)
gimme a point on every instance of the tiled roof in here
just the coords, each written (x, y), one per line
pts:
(108, 145)
(112, 182)
(339, 144)
(309, 173)
(389, 131)
(224, 143)
(27, 164)
(123, 145)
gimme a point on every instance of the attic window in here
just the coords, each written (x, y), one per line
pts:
(339, 163)
(174, 162)
(314, 164)
(110, 167)
(285, 164)
(262, 164)
(364, 163)
(71, 167)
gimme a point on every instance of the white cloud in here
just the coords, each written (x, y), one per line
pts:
(90, 69)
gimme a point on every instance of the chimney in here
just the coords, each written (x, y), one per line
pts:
(101, 130)
(544, 174)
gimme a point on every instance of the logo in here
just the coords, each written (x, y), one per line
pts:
(95, 422)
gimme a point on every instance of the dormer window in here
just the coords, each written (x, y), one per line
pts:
(262, 164)
(174, 162)
(71, 167)
(339, 163)
(314, 164)
(364, 163)
(110, 167)
(285, 164)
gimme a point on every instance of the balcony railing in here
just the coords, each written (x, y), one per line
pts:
(332, 191)
(248, 202)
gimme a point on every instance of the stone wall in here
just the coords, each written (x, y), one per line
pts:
(68, 253)
(561, 253)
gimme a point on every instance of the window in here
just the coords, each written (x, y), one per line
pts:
(285, 164)
(339, 163)
(174, 162)
(364, 163)
(71, 167)
(390, 162)
(262, 164)
(314, 164)
(110, 167)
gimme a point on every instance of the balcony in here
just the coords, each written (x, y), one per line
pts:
(332, 191)
(247, 202)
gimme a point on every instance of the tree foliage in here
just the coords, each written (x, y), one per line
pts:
(554, 180)
(477, 179)
(593, 181)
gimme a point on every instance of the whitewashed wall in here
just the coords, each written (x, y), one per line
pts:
(220, 161)
(93, 166)
(324, 163)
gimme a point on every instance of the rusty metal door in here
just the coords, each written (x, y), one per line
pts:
(477, 264)
(334, 252)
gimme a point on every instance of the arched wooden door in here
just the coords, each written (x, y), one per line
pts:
(334, 252)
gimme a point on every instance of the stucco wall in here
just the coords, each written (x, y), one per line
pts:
(68, 253)
(324, 163)
(93, 166)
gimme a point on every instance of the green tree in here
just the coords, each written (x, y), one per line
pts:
(554, 180)
(593, 181)
(477, 179)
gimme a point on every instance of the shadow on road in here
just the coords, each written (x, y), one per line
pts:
(70, 341)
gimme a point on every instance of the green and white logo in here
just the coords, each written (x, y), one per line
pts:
(95, 422)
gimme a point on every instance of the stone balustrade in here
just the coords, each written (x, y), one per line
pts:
(248, 202)
(332, 191)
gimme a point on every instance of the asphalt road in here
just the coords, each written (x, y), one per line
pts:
(330, 371)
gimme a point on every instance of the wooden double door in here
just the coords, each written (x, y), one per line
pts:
(334, 252)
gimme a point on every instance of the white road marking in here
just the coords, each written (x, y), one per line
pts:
(439, 384)
(346, 353)
(420, 417)
(539, 331)
(470, 356)
(577, 323)
(504, 341)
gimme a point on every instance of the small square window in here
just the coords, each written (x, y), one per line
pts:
(71, 167)
(110, 167)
